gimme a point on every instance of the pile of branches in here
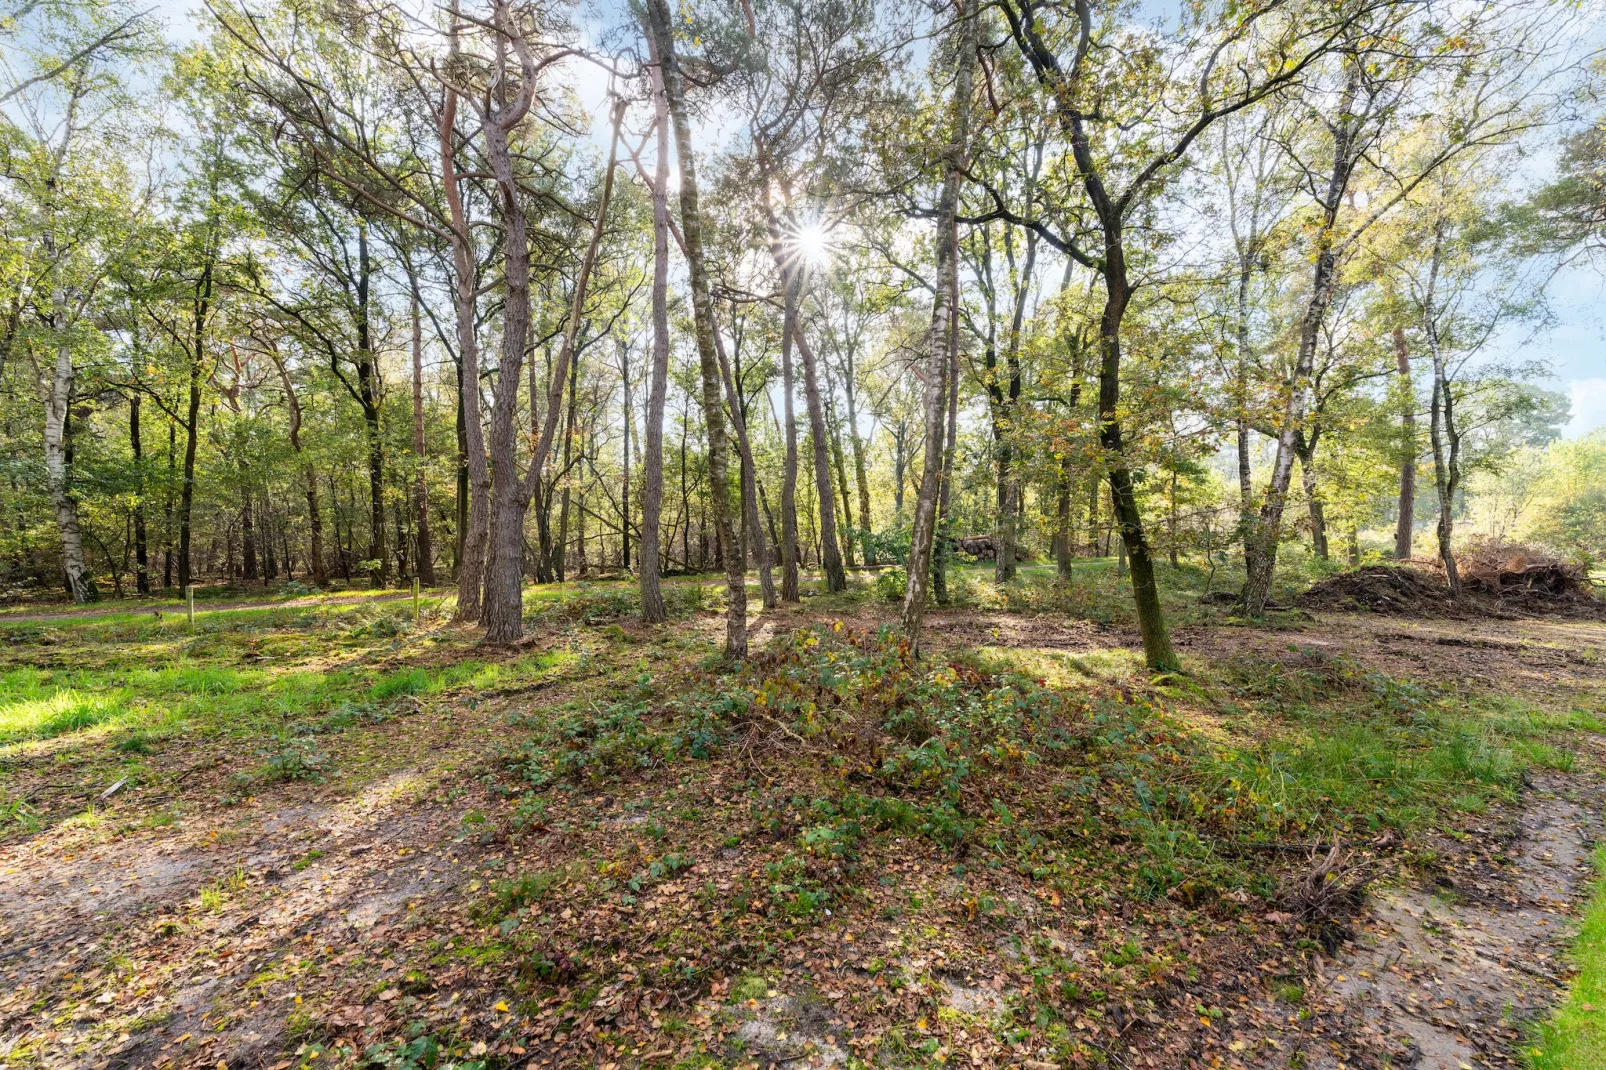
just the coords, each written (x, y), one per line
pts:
(1329, 893)
(1497, 580)
(1503, 569)
(1401, 591)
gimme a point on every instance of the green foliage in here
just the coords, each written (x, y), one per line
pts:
(593, 741)
(420, 1053)
(508, 897)
(296, 760)
(890, 584)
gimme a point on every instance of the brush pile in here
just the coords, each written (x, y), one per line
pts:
(1401, 591)
(1497, 580)
(1514, 569)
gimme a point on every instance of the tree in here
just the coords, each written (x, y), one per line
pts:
(703, 317)
(936, 377)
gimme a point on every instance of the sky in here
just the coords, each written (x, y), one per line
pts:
(1572, 344)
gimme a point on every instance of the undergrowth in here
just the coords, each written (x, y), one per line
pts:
(976, 757)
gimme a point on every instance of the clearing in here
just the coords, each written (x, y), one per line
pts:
(331, 834)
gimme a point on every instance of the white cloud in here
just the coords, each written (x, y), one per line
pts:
(1588, 407)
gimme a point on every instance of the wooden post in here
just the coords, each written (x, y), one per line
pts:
(189, 602)
(416, 617)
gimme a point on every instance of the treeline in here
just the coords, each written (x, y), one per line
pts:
(513, 291)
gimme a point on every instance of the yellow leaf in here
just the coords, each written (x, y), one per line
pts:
(501, 1005)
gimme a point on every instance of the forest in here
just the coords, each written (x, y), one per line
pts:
(802, 532)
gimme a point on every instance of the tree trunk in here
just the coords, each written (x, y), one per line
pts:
(1246, 486)
(839, 465)
(248, 538)
(1305, 449)
(1062, 521)
(861, 481)
(167, 507)
(142, 564)
(1405, 526)
(474, 487)
(624, 453)
(703, 315)
(560, 563)
(942, 552)
(425, 566)
(755, 530)
(941, 335)
(192, 425)
(1262, 558)
(504, 572)
(368, 398)
(1009, 485)
(1157, 649)
(789, 473)
(789, 547)
(58, 398)
(830, 552)
(652, 490)
(1446, 464)
(900, 468)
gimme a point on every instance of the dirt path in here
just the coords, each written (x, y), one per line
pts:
(1448, 977)
(172, 947)
(205, 607)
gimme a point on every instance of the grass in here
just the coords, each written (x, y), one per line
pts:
(33, 709)
(245, 672)
(829, 780)
(1574, 1037)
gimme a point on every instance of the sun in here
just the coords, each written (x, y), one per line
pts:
(812, 243)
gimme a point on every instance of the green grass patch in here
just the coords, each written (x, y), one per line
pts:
(1574, 1037)
(32, 709)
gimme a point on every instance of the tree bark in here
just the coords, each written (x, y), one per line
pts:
(941, 334)
(142, 577)
(1305, 449)
(504, 621)
(1445, 439)
(624, 453)
(474, 491)
(652, 490)
(839, 465)
(755, 530)
(1262, 558)
(789, 547)
(167, 506)
(560, 557)
(703, 316)
(856, 441)
(942, 552)
(830, 552)
(425, 568)
(368, 398)
(248, 536)
(1405, 526)
(320, 576)
(201, 308)
(58, 391)
(1062, 521)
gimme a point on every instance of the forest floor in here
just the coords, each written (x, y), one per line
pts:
(336, 834)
